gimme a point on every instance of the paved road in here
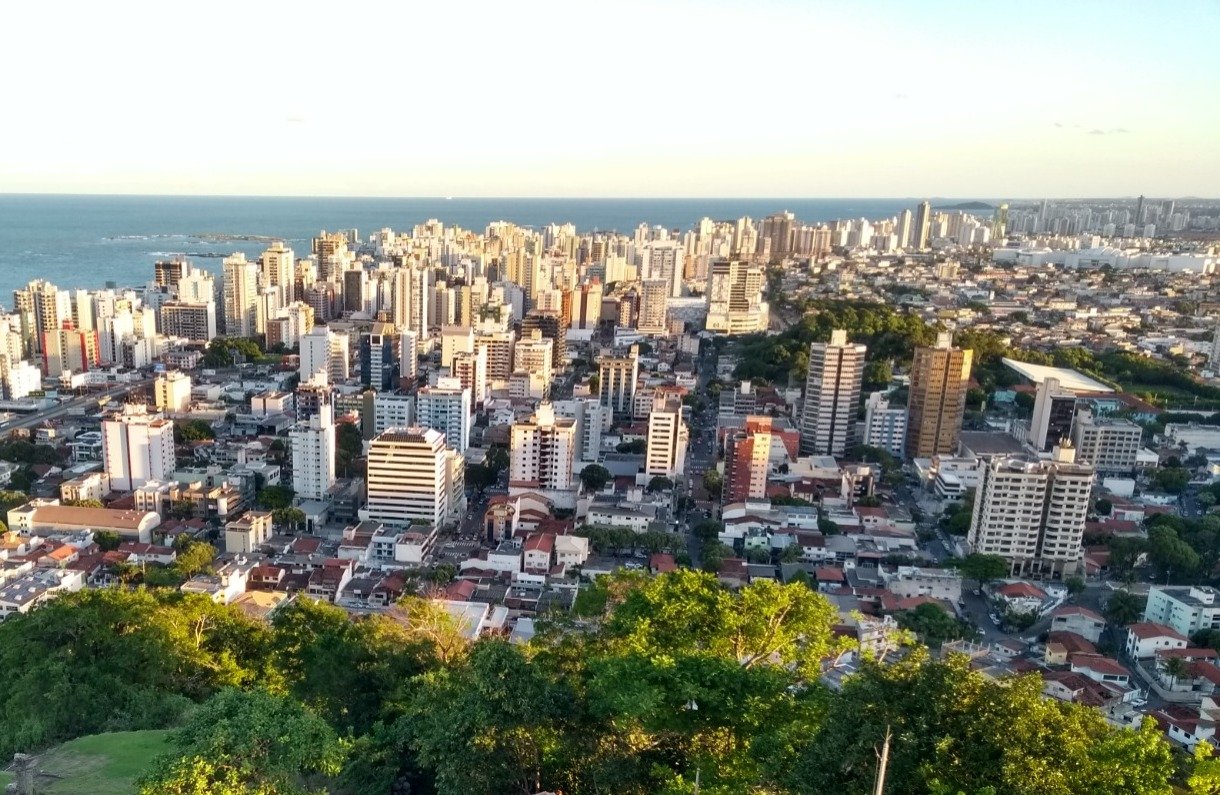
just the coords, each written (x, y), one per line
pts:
(38, 417)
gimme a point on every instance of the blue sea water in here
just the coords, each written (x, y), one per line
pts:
(87, 241)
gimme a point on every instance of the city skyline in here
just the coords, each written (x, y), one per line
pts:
(678, 99)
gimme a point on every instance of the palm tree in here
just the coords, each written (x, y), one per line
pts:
(1176, 668)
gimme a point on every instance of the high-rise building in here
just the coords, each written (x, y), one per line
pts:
(172, 392)
(922, 231)
(553, 328)
(137, 447)
(390, 410)
(241, 296)
(42, 307)
(1054, 409)
(471, 370)
(454, 340)
(588, 415)
(324, 351)
(937, 400)
(379, 350)
(1032, 513)
(587, 304)
(313, 452)
(775, 237)
(617, 375)
(498, 349)
(408, 354)
(654, 303)
(191, 320)
(446, 408)
(167, 273)
(735, 298)
(904, 229)
(277, 270)
(885, 426)
(665, 452)
(832, 395)
(1110, 445)
(747, 460)
(663, 260)
(68, 349)
(532, 357)
(411, 478)
(543, 451)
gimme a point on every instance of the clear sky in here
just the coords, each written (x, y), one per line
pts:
(767, 98)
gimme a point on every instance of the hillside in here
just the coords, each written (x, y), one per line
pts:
(100, 764)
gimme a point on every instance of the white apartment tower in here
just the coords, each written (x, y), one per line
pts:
(542, 452)
(654, 305)
(617, 375)
(446, 408)
(665, 454)
(885, 426)
(735, 298)
(1110, 445)
(532, 357)
(832, 393)
(137, 447)
(1032, 513)
(408, 354)
(322, 350)
(411, 478)
(172, 392)
(313, 452)
(277, 270)
(471, 370)
(241, 295)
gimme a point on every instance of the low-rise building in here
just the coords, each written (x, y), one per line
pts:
(1145, 639)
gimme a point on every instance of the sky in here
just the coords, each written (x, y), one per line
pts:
(766, 98)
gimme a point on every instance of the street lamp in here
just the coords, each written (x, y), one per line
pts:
(692, 706)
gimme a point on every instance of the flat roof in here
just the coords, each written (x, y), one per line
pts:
(1068, 378)
(990, 443)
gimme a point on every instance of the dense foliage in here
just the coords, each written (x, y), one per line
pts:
(659, 682)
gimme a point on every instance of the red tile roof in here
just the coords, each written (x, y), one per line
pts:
(1146, 630)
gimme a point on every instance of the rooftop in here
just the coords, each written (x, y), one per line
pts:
(1069, 379)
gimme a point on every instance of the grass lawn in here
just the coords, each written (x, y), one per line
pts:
(101, 764)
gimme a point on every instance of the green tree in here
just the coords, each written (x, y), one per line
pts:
(479, 476)
(344, 668)
(192, 431)
(246, 742)
(1075, 585)
(194, 557)
(1124, 607)
(983, 568)
(107, 540)
(489, 725)
(85, 503)
(114, 659)
(274, 497)
(933, 625)
(827, 527)
(1171, 480)
(182, 510)
(660, 483)
(349, 446)
(634, 447)
(594, 477)
(290, 519)
(955, 731)
(713, 481)
(1103, 507)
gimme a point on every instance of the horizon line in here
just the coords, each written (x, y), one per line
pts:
(969, 197)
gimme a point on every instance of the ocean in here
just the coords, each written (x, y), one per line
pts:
(88, 241)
